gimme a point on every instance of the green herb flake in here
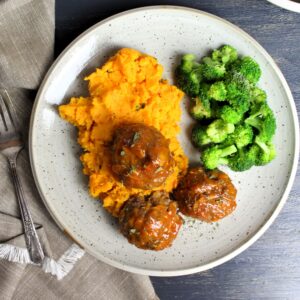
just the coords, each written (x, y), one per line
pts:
(140, 106)
(159, 169)
(132, 169)
(136, 136)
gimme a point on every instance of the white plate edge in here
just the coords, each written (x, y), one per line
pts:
(287, 4)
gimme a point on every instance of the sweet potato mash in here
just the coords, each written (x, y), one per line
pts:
(128, 88)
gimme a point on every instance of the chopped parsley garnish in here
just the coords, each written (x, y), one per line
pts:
(132, 169)
(159, 169)
(140, 106)
(135, 138)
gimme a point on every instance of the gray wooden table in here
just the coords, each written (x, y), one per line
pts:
(270, 269)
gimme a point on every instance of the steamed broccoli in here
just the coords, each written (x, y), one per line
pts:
(258, 95)
(229, 114)
(266, 127)
(214, 156)
(189, 75)
(189, 83)
(241, 105)
(200, 137)
(242, 160)
(241, 137)
(226, 54)
(259, 110)
(218, 130)
(238, 89)
(212, 69)
(237, 125)
(248, 68)
(262, 118)
(267, 152)
(200, 109)
(188, 63)
(255, 155)
(217, 91)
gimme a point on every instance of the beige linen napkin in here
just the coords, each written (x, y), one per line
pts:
(26, 51)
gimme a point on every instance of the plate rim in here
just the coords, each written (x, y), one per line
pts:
(243, 246)
(287, 4)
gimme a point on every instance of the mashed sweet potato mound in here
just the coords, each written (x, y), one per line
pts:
(128, 88)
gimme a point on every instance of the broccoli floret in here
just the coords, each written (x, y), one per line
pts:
(238, 91)
(214, 156)
(200, 137)
(262, 118)
(188, 82)
(218, 130)
(189, 75)
(203, 90)
(266, 127)
(267, 152)
(241, 105)
(257, 154)
(258, 95)
(200, 109)
(226, 54)
(242, 160)
(260, 110)
(188, 63)
(229, 114)
(248, 68)
(227, 142)
(255, 151)
(237, 86)
(213, 70)
(217, 91)
(242, 135)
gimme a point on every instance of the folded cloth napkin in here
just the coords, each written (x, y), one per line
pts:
(26, 51)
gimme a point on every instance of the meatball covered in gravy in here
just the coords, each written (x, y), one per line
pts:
(140, 156)
(150, 223)
(206, 195)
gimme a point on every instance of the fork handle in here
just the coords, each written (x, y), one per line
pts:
(32, 241)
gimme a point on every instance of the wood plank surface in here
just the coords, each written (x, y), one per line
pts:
(269, 269)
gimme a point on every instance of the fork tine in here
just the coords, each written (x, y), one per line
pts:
(7, 119)
(2, 124)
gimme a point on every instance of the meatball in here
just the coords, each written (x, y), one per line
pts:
(206, 195)
(150, 223)
(140, 156)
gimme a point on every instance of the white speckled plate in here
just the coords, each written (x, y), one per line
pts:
(165, 32)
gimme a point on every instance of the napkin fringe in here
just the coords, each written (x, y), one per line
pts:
(14, 254)
(58, 268)
(65, 263)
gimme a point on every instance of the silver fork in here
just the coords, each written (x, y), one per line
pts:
(10, 146)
